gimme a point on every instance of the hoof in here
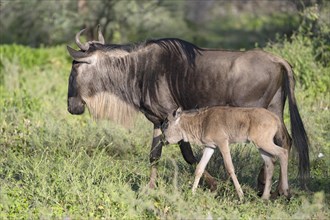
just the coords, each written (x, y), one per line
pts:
(152, 185)
(213, 186)
(260, 188)
(210, 181)
(279, 193)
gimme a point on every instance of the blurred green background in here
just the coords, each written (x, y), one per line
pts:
(210, 23)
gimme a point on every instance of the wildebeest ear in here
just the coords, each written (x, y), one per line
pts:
(79, 55)
(178, 112)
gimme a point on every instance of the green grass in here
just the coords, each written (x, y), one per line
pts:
(55, 165)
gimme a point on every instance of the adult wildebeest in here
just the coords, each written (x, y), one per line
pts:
(221, 126)
(157, 76)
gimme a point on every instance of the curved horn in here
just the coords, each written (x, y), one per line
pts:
(80, 45)
(79, 55)
(101, 38)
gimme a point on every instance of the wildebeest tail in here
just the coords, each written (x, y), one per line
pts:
(298, 131)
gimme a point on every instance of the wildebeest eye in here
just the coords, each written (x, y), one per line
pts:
(77, 63)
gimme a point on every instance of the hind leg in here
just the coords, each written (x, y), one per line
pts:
(268, 149)
(268, 173)
(283, 185)
(282, 139)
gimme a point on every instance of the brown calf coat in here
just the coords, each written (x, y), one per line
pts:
(221, 126)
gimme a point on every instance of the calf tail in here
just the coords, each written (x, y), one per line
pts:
(298, 132)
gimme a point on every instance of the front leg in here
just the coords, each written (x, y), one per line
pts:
(189, 157)
(155, 154)
(200, 169)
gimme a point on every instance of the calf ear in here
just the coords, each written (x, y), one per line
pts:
(178, 113)
(79, 55)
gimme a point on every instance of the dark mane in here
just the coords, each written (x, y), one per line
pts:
(175, 46)
(126, 47)
(179, 47)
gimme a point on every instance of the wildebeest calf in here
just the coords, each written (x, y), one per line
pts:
(220, 126)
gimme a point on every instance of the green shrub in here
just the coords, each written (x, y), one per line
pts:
(310, 74)
(308, 51)
(28, 57)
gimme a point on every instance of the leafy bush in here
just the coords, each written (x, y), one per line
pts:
(308, 51)
(311, 75)
(316, 25)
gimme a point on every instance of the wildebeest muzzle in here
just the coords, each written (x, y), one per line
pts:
(76, 106)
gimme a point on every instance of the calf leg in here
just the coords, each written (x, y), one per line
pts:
(225, 151)
(208, 152)
(283, 139)
(286, 144)
(268, 173)
(190, 158)
(284, 184)
(282, 154)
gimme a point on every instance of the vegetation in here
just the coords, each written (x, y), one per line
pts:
(55, 165)
(209, 24)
